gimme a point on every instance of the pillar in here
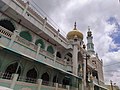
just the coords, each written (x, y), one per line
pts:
(84, 73)
(25, 9)
(44, 25)
(55, 55)
(91, 86)
(15, 76)
(39, 84)
(56, 86)
(38, 49)
(13, 38)
(68, 87)
(75, 59)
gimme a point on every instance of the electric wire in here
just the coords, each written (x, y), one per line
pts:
(111, 64)
(43, 13)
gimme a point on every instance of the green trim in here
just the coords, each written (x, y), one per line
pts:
(26, 35)
(50, 49)
(41, 42)
(38, 60)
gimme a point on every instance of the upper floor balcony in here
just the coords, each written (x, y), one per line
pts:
(22, 46)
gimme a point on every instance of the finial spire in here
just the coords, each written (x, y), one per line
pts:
(88, 28)
(75, 26)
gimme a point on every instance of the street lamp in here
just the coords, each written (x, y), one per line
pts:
(87, 57)
(111, 84)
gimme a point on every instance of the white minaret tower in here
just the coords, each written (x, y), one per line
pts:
(90, 45)
(75, 38)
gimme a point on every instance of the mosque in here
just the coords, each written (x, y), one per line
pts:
(35, 56)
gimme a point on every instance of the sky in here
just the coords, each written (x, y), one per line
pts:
(103, 17)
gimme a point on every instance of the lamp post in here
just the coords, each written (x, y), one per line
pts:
(85, 77)
(87, 57)
(111, 84)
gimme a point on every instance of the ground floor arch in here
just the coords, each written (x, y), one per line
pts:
(31, 75)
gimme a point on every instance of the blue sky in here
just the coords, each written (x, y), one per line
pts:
(116, 34)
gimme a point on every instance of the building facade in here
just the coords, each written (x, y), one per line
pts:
(35, 56)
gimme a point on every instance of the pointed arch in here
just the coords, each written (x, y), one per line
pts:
(68, 56)
(41, 42)
(55, 79)
(12, 68)
(31, 75)
(66, 81)
(50, 49)
(7, 24)
(26, 35)
(58, 54)
(45, 77)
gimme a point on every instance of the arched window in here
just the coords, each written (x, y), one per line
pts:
(50, 49)
(69, 54)
(58, 54)
(12, 69)
(26, 35)
(45, 77)
(41, 42)
(7, 24)
(31, 75)
(55, 79)
(66, 81)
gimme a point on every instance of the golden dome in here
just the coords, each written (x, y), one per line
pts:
(74, 33)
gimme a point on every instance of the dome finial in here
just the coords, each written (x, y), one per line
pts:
(75, 26)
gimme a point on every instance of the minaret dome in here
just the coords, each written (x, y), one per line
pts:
(74, 33)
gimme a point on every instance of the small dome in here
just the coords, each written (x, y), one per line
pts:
(74, 33)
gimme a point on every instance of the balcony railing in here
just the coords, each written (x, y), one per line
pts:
(27, 79)
(6, 75)
(6, 33)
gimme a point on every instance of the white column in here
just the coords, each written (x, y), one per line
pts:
(39, 84)
(34, 39)
(25, 9)
(44, 25)
(55, 55)
(91, 86)
(13, 38)
(68, 87)
(84, 73)
(15, 76)
(39, 46)
(56, 87)
(75, 59)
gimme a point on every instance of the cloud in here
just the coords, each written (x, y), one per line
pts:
(103, 18)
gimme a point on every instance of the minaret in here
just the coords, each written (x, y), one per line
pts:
(90, 45)
(75, 37)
